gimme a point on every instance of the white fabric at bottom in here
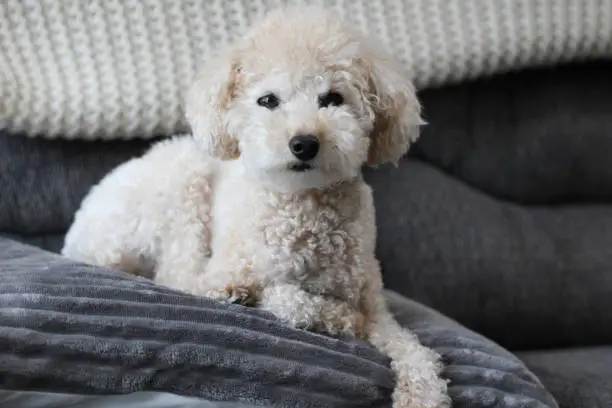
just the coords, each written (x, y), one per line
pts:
(31, 399)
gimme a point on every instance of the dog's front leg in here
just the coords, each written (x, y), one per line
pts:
(301, 309)
(416, 367)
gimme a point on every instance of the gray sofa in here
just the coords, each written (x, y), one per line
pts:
(495, 226)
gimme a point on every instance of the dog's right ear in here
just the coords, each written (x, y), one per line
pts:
(207, 104)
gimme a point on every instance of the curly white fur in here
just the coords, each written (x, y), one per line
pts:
(222, 213)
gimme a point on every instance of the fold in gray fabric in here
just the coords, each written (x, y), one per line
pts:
(68, 327)
(526, 277)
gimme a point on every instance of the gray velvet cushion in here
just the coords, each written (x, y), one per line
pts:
(70, 327)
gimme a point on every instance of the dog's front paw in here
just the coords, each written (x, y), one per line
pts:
(429, 392)
(232, 293)
(341, 321)
(359, 326)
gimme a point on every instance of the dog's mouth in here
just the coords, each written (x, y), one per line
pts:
(300, 167)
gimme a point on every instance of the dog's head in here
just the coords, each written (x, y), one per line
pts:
(304, 101)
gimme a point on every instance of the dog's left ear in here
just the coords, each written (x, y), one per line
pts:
(208, 102)
(397, 111)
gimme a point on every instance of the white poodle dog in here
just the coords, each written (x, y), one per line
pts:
(265, 204)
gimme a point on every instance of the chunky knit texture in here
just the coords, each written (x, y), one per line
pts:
(119, 68)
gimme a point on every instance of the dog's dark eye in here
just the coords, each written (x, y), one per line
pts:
(269, 101)
(330, 99)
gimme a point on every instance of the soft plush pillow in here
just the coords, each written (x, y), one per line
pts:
(71, 328)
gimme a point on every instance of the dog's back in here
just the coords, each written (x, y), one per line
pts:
(143, 208)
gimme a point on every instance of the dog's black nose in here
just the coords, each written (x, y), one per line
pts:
(304, 147)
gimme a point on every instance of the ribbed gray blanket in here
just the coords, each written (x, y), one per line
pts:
(71, 328)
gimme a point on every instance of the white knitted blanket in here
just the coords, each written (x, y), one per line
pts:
(119, 68)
